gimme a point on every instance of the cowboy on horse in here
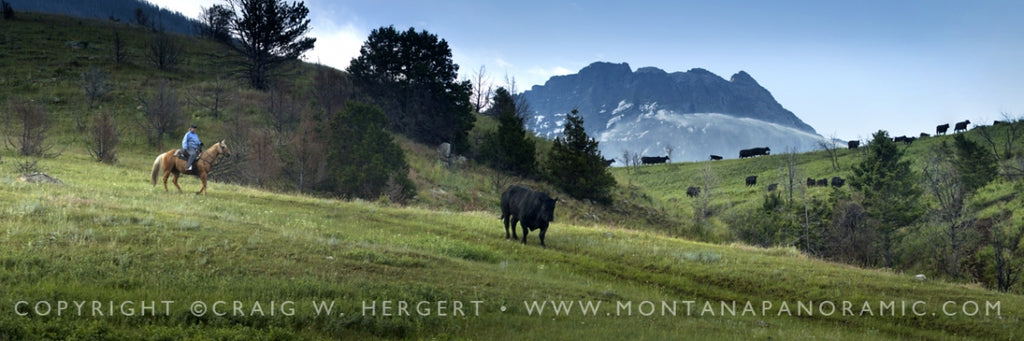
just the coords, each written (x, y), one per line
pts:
(198, 164)
(191, 144)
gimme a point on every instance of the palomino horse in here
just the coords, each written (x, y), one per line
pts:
(173, 165)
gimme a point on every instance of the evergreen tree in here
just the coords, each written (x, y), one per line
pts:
(974, 163)
(510, 148)
(268, 34)
(890, 190)
(364, 160)
(577, 166)
(411, 76)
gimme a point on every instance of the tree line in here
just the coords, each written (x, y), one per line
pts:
(933, 213)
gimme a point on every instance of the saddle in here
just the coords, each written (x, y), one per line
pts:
(183, 154)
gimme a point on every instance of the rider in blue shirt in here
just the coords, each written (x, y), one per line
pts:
(190, 143)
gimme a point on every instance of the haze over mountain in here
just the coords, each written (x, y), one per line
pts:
(696, 112)
(122, 10)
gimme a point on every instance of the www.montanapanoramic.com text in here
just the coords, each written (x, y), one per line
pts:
(762, 308)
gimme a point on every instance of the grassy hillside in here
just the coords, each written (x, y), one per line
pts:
(108, 236)
(108, 256)
(735, 208)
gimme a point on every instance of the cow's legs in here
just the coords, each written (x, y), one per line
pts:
(543, 230)
(504, 219)
(525, 231)
(514, 221)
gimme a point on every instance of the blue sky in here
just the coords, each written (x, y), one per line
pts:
(847, 68)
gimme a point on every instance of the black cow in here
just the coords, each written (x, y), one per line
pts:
(716, 157)
(995, 123)
(608, 162)
(531, 209)
(751, 180)
(923, 135)
(773, 187)
(904, 139)
(692, 191)
(941, 129)
(823, 182)
(650, 160)
(853, 144)
(810, 182)
(745, 153)
(961, 126)
(837, 181)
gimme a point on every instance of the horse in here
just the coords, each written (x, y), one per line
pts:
(171, 164)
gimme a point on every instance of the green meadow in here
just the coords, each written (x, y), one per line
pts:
(108, 237)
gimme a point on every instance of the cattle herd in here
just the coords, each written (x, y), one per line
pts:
(534, 210)
(939, 130)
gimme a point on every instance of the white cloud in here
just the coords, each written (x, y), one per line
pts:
(335, 47)
(539, 75)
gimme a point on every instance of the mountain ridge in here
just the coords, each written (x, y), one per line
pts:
(622, 105)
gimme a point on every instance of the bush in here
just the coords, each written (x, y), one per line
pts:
(105, 136)
(27, 125)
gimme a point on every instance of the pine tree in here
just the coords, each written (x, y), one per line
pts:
(509, 149)
(412, 77)
(268, 34)
(364, 160)
(890, 190)
(576, 165)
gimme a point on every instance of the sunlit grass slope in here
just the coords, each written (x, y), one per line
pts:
(108, 236)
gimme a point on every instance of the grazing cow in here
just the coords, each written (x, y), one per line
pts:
(715, 157)
(650, 160)
(751, 180)
(899, 139)
(608, 162)
(961, 126)
(692, 191)
(810, 182)
(853, 144)
(531, 209)
(923, 135)
(773, 187)
(837, 181)
(995, 123)
(941, 129)
(745, 153)
(823, 182)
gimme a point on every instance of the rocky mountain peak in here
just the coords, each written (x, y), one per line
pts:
(611, 96)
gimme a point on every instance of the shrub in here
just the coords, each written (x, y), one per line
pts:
(27, 124)
(105, 136)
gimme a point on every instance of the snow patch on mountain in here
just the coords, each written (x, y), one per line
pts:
(693, 137)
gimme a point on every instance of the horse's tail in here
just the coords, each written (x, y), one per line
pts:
(156, 168)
